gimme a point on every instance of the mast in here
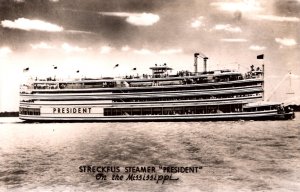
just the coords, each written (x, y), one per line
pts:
(277, 86)
(290, 91)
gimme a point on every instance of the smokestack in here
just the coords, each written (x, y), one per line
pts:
(196, 62)
(205, 64)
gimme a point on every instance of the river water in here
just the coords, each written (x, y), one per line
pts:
(235, 155)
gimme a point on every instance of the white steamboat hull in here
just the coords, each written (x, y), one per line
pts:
(258, 115)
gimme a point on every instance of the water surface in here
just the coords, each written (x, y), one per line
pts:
(235, 155)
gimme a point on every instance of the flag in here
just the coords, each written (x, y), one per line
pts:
(260, 56)
(55, 67)
(134, 69)
(77, 71)
(117, 65)
(26, 69)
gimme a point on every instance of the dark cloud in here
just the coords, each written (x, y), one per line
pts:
(287, 7)
(83, 15)
(172, 30)
(30, 8)
(113, 5)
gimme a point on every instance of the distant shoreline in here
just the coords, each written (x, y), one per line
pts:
(16, 113)
(9, 114)
(296, 108)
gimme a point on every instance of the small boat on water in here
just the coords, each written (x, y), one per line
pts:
(160, 96)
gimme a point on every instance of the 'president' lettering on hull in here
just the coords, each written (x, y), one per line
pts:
(75, 110)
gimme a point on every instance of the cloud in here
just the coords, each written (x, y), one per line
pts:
(69, 48)
(244, 6)
(197, 23)
(5, 51)
(78, 32)
(276, 18)
(125, 48)
(141, 19)
(227, 27)
(165, 51)
(286, 41)
(293, 76)
(105, 49)
(42, 45)
(143, 52)
(257, 48)
(170, 51)
(28, 25)
(234, 40)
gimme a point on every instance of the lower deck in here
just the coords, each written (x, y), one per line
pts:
(257, 115)
(197, 111)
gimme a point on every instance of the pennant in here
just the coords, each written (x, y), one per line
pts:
(77, 71)
(26, 69)
(117, 65)
(134, 69)
(260, 56)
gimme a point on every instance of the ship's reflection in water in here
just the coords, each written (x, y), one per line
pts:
(249, 156)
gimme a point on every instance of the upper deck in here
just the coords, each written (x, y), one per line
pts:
(160, 78)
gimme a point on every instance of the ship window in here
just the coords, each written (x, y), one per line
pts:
(157, 111)
(146, 111)
(136, 111)
(116, 111)
(178, 110)
(126, 111)
(29, 111)
(168, 110)
(107, 112)
(200, 110)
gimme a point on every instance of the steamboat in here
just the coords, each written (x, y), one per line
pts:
(160, 96)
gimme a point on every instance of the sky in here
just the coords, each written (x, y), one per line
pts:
(92, 36)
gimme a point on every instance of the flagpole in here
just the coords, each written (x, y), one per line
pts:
(54, 71)
(25, 74)
(133, 69)
(114, 72)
